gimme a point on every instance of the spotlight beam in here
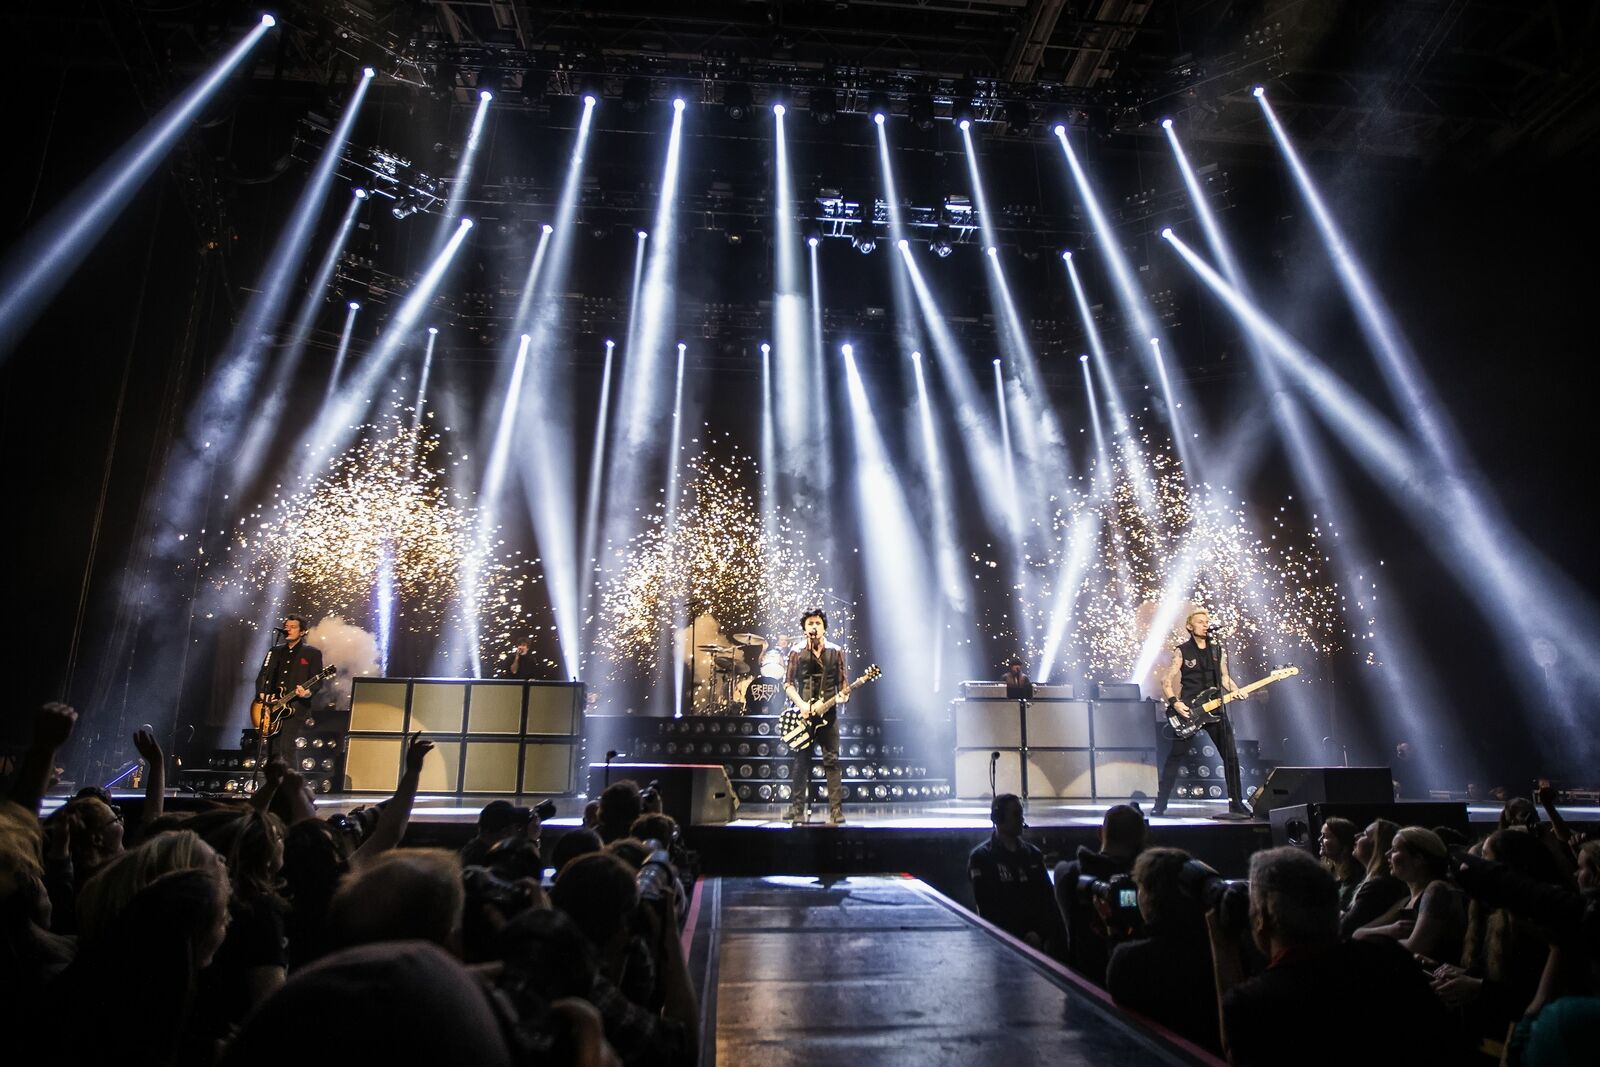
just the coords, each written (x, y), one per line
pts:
(461, 184)
(341, 352)
(796, 429)
(1315, 473)
(40, 264)
(680, 609)
(591, 503)
(1513, 582)
(1132, 297)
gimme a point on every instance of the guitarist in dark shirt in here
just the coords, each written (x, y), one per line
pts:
(288, 667)
(1201, 665)
(814, 673)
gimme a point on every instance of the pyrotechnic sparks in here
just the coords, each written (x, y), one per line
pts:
(719, 558)
(1268, 589)
(380, 514)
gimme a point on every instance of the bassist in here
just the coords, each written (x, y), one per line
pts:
(1200, 664)
(814, 673)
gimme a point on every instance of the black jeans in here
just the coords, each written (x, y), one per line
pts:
(827, 739)
(1221, 734)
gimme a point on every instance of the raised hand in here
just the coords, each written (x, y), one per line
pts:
(52, 725)
(416, 752)
(149, 748)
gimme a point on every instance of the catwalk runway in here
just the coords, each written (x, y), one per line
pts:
(885, 970)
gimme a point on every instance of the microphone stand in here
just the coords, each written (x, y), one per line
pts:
(261, 727)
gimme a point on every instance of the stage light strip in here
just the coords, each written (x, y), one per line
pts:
(39, 265)
(796, 444)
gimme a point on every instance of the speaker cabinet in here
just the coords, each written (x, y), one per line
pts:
(1058, 724)
(1322, 785)
(988, 724)
(1124, 772)
(972, 773)
(1124, 724)
(1059, 774)
(694, 794)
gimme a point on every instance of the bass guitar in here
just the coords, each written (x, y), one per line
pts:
(268, 715)
(1206, 708)
(798, 726)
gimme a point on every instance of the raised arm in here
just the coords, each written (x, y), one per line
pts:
(52, 725)
(397, 811)
(155, 777)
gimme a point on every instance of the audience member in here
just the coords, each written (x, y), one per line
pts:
(500, 820)
(168, 931)
(254, 959)
(1009, 881)
(600, 894)
(1337, 846)
(619, 806)
(395, 1003)
(30, 955)
(1122, 838)
(1379, 890)
(1432, 921)
(571, 845)
(412, 894)
(1166, 975)
(1294, 920)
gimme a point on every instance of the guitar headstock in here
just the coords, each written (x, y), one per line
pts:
(1285, 672)
(872, 672)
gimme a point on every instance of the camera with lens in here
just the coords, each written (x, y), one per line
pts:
(1116, 902)
(545, 809)
(1228, 897)
(486, 886)
(657, 879)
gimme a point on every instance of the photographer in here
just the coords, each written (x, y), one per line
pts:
(1166, 975)
(501, 820)
(602, 896)
(1009, 881)
(1122, 838)
(1294, 921)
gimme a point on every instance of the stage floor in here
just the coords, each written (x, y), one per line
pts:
(885, 970)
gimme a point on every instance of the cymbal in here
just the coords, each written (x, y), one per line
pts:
(714, 648)
(749, 639)
(725, 663)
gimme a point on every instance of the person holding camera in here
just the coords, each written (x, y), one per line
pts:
(1009, 881)
(1166, 975)
(609, 902)
(1294, 921)
(1089, 939)
(501, 820)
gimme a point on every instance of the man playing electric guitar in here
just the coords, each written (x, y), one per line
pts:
(1201, 664)
(816, 672)
(289, 667)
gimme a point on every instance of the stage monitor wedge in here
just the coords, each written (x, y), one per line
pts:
(1322, 785)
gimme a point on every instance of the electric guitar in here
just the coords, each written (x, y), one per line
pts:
(268, 715)
(1207, 705)
(798, 725)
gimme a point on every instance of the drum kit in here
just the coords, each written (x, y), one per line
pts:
(746, 676)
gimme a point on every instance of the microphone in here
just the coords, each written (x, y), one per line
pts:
(280, 630)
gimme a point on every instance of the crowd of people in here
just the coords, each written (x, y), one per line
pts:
(258, 931)
(1455, 952)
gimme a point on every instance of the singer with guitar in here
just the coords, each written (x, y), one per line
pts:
(1201, 664)
(815, 673)
(289, 667)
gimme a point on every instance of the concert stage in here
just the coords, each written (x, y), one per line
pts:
(885, 969)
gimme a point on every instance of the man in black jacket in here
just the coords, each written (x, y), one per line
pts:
(289, 667)
(1122, 835)
(1009, 881)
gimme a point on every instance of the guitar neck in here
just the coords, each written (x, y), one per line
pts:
(831, 701)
